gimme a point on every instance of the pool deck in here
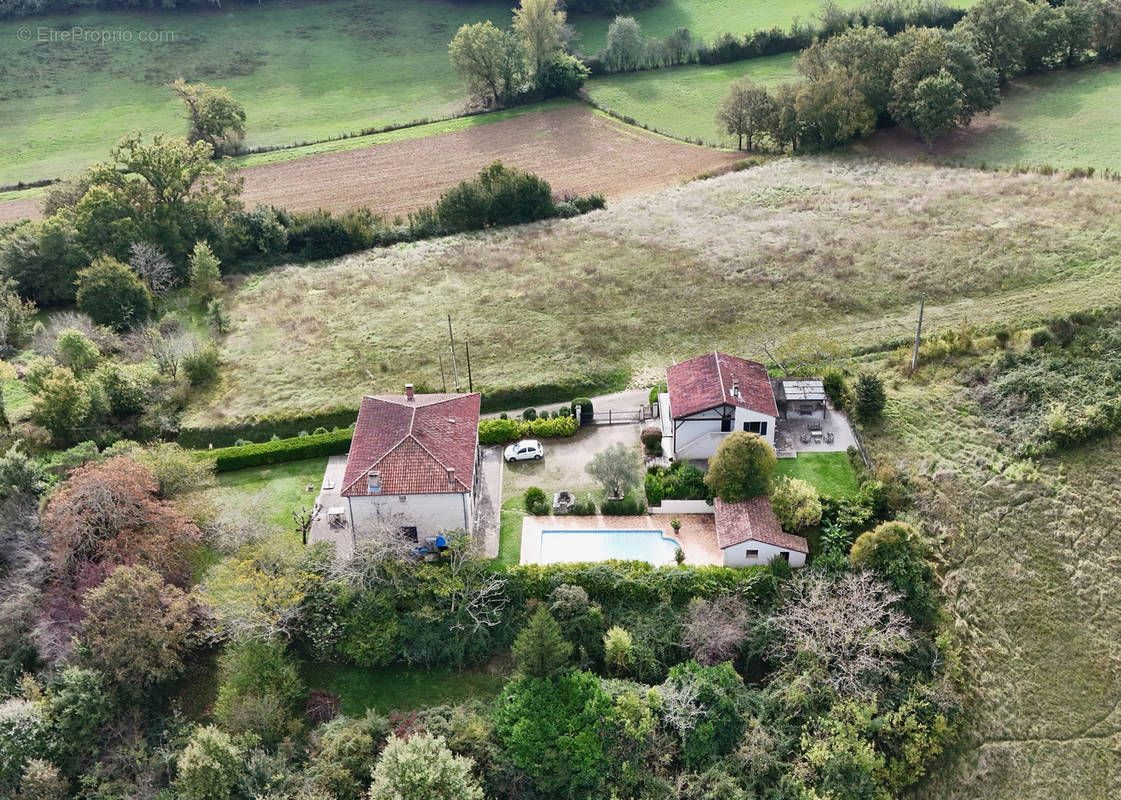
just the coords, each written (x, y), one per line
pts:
(697, 535)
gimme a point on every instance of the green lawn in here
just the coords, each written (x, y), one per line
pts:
(1065, 119)
(273, 491)
(830, 473)
(303, 71)
(682, 101)
(400, 687)
(510, 535)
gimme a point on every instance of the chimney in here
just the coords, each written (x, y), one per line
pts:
(735, 387)
(409, 391)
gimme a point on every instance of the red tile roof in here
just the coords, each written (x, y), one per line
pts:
(706, 382)
(753, 520)
(413, 444)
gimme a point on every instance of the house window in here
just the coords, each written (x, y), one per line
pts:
(758, 426)
(373, 482)
(752, 554)
(785, 556)
(409, 532)
(726, 425)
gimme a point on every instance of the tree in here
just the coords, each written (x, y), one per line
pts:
(213, 116)
(108, 513)
(42, 780)
(557, 729)
(796, 503)
(540, 648)
(786, 130)
(869, 397)
(216, 316)
(490, 61)
(617, 468)
(618, 649)
(562, 76)
(847, 625)
(746, 112)
(42, 259)
(832, 110)
(999, 30)
(75, 352)
(706, 707)
(868, 54)
(208, 766)
(113, 295)
(137, 628)
(937, 106)
(17, 318)
(204, 273)
(422, 768)
(716, 629)
(624, 45)
(897, 554)
(152, 266)
(75, 707)
(540, 25)
(741, 468)
(62, 405)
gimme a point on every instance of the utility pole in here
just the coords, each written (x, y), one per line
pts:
(443, 380)
(451, 344)
(470, 383)
(918, 334)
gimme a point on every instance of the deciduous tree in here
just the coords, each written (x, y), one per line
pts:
(490, 61)
(422, 768)
(796, 503)
(213, 116)
(746, 112)
(741, 468)
(540, 25)
(617, 468)
(113, 295)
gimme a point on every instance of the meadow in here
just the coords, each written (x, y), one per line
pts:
(1064, 119)
(840, 247)
(682, 101)
(1028, 570)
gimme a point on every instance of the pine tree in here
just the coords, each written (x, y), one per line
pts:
(540, 648)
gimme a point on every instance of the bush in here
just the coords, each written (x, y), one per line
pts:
(652, 439)
(281, 424)
(655, 491)
(1002, 335)
(796, 504)
(500, 195)
(1041, 338)
(683, 481)
(113, 295)
(584, 508)
(585, 405)
(535, 501)
(498, 398)
(281, 450)
(836, 388)
(77, 352)
(201, 366)
(629, 506)
(530, 414)
(498, 431)
(741, 468)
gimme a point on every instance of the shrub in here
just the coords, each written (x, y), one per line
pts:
(77, 352)
(1041, 338)
(656, 390)
(201, 366)
(535, 500)
(530, 414)
(651, 437)
(113, 295)
(497, 431)
(586, 411)
(628, 506)
(281, 450)
(584, 508)
(208, 766)
(741, 468)
(795, 503)
(869, 397)
(1003, 335)
(655, 491)
(683, 481)
(705, 706)
(836, 388)
(540, 648)
(421, 767)
(500, 195)
(897, 554)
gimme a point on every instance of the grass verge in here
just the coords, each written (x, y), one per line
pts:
(271, 492)
(400, 687)
(829, 473)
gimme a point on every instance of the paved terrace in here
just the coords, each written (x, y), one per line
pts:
(788, 434)
(697, 535)
(324, 530)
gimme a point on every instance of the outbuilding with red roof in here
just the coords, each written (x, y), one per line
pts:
(710, 396)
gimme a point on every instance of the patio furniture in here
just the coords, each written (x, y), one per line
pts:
(815, 427)
(829, 437)
(805, 438)
(336, 516)
(816, 436)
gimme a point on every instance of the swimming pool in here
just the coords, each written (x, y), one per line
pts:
(652, 546)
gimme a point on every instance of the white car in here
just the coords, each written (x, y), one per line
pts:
(524, 450)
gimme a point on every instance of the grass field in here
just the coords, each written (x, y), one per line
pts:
(1065, 119)
(682, 101)
(829, 473)
(1029, 573)
(302, 70)
(400, 687)
(271, 492)
(839, 246)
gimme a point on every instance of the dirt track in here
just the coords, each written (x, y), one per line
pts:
(575, 149)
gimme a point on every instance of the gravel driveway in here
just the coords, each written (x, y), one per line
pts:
(563, 465)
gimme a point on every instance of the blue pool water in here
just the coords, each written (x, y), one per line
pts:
(650, 546)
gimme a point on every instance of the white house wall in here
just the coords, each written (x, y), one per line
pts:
(431, 514)
(699, 436)
(746, 415)
(736, 556)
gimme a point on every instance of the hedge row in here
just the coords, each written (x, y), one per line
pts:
(498, 431)
(637, 582)
(284, 425)
(505, 398)
(253, 455)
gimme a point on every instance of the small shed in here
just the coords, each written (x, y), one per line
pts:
(799, 398)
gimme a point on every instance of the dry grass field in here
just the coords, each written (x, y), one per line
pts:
(576, 149)
(844, 246)
(1032, 586)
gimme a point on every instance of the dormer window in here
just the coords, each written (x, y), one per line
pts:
(373, 482)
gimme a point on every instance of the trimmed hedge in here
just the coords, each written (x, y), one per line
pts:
(262, 428)
(498, 431)
(540, 394)
(300, 447)
(629, 506)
